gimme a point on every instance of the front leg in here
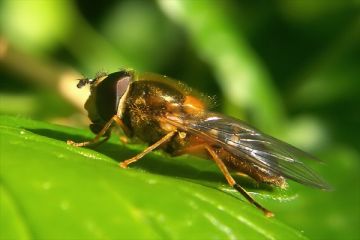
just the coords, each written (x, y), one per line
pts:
(97, 138)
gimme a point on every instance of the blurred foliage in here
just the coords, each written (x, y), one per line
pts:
(291, 68)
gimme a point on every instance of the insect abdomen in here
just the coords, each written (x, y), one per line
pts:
(237, 164)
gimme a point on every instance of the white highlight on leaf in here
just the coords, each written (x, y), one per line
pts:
(64, 205)
(47, 185)
(152, 181)
(266, 234)
(214, 221)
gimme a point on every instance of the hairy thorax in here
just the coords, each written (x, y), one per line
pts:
(148, 106)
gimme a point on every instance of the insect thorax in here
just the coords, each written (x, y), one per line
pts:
(147, 105)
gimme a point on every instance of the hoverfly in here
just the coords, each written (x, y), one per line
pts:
(168, 115)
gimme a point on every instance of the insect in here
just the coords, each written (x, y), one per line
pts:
(168, 115)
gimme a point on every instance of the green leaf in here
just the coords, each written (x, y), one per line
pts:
(52, 190)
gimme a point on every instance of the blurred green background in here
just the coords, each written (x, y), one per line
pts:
(289, 67)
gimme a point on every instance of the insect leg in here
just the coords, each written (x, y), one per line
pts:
(246, 176)
(164, 139)
(119, 122)
(233, 183)
(96, 140)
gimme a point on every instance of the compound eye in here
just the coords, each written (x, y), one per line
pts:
(109, 92)
(121, 87)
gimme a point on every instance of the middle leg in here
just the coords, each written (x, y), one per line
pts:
(163, 140)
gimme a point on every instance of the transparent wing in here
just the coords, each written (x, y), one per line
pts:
(249, 144)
